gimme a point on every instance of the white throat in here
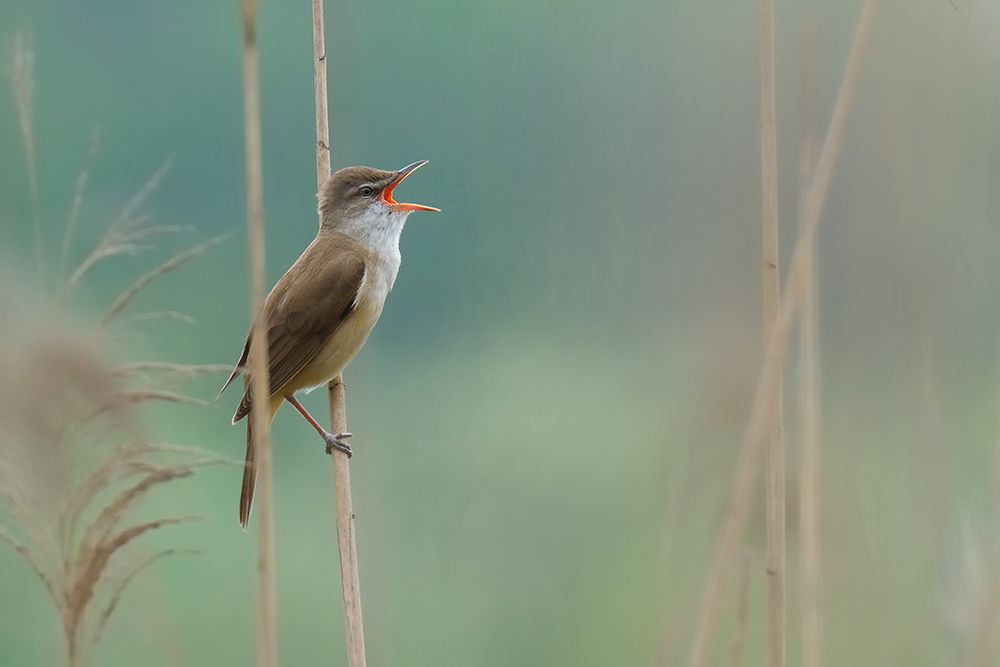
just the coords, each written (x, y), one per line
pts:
(378, 229)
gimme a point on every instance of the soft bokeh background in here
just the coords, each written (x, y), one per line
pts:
(547, 415)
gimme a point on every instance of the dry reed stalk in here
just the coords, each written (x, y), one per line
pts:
(771, 296)
(267, 615)
(810, 497)
(343, 504)
(737, 507)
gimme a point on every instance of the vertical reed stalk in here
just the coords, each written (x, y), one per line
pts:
(734, 521)
(267, 634)
(771, 290)
(810, 511)
(343, 505)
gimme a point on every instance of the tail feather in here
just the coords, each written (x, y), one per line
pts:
(240, 367)
(249, 478)
(243, 409)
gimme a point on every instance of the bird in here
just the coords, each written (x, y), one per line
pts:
(320, 313)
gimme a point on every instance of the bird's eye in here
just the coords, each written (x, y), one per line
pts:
(366, 191)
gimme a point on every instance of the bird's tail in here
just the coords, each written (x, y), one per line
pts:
(249, 478)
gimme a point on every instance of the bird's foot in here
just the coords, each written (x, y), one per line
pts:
(337, 442)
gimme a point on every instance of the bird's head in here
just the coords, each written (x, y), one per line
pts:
(359, 201)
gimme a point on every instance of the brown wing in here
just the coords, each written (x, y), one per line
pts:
(304, 309)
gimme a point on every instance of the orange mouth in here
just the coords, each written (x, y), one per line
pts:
(397, 206)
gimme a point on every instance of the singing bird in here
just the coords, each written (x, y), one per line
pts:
(319, 314)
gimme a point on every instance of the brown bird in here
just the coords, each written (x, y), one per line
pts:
(319, 315)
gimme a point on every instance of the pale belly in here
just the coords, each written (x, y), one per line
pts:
(341, 348)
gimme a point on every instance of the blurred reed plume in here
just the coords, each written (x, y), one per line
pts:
(75, 462)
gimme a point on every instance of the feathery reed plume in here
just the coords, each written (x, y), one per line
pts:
(22, 77)
(343, 504)
(774, 434)
(258, 459)
(127, 235)
(737, 507)
(74, 464)
(810, 478)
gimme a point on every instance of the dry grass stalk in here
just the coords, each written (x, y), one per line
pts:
(343, 503)
(22, 75)
(737, 507)
(810, 497)
(774, 435)
(267, 613)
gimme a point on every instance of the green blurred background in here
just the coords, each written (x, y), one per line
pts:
(546, 417)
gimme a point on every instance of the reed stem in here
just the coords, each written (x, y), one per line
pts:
(810, 497)
(343, 505)
(267, 635)
(734, 521)
(771, 293)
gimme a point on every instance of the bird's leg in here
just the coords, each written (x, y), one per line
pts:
(332, 441)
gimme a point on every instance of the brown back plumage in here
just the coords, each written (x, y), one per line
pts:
(305, 308)
(303, 311)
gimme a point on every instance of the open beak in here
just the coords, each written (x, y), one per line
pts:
(400, 177)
